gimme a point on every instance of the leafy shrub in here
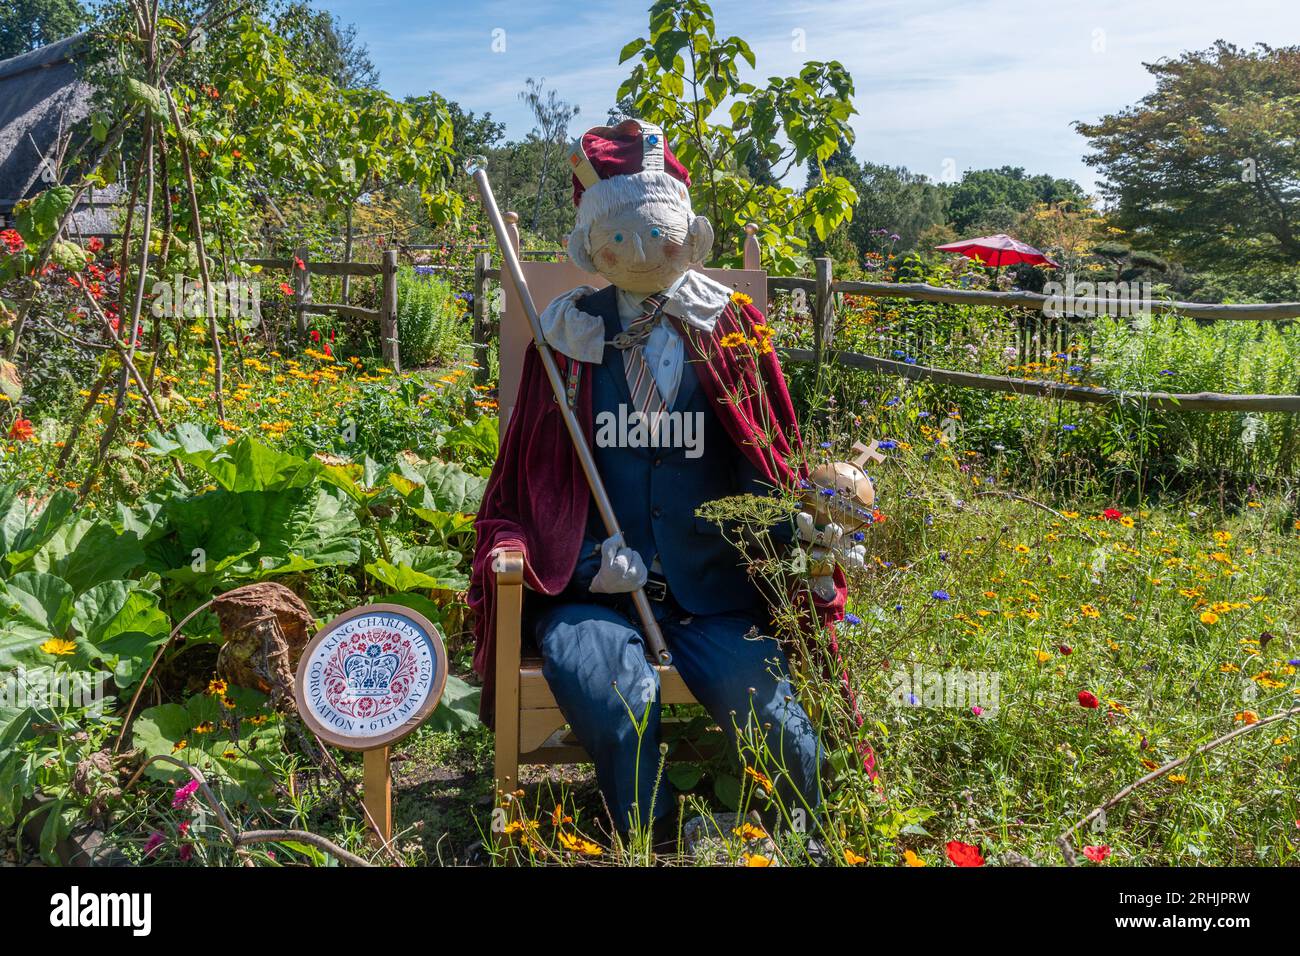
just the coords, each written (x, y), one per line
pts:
(432, 324)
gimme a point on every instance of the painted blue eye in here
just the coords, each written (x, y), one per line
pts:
(618, 237)
(654, 233)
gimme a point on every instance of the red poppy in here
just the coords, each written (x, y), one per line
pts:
(963, 854)
(1112, 514)
(315, 335)
(1097, 854)
(286, 288)
(1088, 699)
(328, 352)
(1065, 649)
(21, 430)
(96, 244)
(299, 264)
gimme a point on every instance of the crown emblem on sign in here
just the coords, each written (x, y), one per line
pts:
(370, 674)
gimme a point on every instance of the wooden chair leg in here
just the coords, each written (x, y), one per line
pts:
(509, 570)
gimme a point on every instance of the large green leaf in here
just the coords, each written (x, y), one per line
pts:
(86, 552)
(458, 708)
(26, 525)
(420, 568)
(121, 625)
(244, 465)
(39, 601)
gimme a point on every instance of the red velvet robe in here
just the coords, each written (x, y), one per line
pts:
(537, 497)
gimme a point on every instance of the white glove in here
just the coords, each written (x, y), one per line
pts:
(827, 536)
(854, 557)
(621, 569)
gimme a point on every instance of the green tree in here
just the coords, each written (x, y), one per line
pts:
(990, 200)
(683, 77)
(320, 43)
(1207, 166)
(28, 24)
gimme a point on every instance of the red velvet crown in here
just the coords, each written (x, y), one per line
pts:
(621, 150)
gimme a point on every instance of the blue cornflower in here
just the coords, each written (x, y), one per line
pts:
(859, 536)
(887, 445)
(1068, 428)
(891, 402)
(852, 619)
(941, 595)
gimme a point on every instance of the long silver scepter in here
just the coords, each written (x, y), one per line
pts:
(477, 169)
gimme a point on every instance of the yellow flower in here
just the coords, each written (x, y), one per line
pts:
(733, 340)
(741, 299)
(1022, 549)
(577, 844)
(757, 859)
(1087, 610)
(748, 831)
(911, 859)
(758, 778)
(1178, 778)
(852, 859)
(217, 688)
(1209, 617)
(1042, 656)
(58, 647)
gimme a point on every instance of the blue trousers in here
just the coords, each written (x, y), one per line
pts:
(594, 659)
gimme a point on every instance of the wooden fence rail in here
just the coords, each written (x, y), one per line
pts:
(821, 291)
(303, 303)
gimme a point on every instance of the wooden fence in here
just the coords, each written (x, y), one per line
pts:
(823, 291)
(304, 305)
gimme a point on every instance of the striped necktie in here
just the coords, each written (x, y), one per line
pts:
(640, 380)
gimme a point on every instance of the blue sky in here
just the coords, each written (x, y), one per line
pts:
(942, 85)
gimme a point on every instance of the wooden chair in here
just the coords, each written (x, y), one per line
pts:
(529, 725)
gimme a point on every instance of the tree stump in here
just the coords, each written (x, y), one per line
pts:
(265, 626)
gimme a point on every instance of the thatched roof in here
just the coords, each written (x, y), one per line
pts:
(42, 97)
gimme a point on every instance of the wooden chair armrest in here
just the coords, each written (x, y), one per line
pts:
(508, 566)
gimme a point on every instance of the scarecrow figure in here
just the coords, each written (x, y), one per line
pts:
(670, 352)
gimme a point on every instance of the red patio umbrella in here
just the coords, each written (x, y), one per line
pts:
(998, 251)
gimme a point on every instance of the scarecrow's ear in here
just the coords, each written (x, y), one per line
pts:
(577, 249)
(699, 235)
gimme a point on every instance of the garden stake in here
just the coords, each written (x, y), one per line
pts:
(477, 168)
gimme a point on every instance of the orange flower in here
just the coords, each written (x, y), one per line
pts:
(21, 430)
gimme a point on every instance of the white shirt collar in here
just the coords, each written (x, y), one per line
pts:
(695, 299)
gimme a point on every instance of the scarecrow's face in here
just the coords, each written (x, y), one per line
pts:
(642, 249)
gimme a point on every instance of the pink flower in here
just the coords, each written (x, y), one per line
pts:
(155, 841)
(183, 795)
(186, 852)
(977, 710)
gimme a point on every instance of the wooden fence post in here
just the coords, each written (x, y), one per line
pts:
(753, 252)
(823, 310)
(479, 334)
(388, 312)
(301, 287)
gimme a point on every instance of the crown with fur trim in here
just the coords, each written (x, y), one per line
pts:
(624, 165)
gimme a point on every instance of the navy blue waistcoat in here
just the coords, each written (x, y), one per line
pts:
(655, 491)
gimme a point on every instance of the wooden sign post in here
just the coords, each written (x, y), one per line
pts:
(366, 680)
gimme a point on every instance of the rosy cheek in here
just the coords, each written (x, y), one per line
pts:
(608, 257)
(672, 249)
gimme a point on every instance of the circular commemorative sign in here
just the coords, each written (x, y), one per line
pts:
(371, 676)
